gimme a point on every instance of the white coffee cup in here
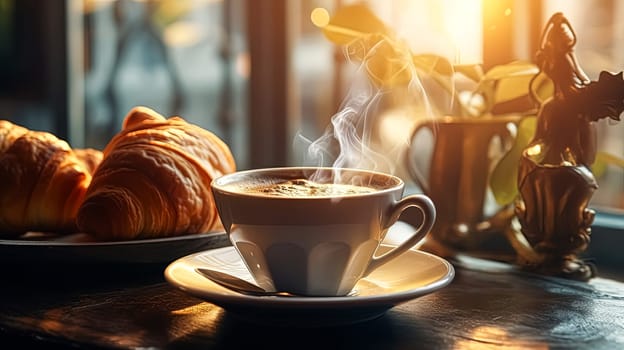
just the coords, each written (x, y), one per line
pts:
(314, 244)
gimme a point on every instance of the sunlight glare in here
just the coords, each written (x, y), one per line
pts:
(320, 17)
(463, 23)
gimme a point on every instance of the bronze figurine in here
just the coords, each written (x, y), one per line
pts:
(555, 181)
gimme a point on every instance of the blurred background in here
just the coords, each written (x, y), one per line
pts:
(257, 73)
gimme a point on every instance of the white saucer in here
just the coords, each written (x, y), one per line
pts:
(411, 275)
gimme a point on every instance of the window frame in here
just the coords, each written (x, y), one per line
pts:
(268, 47)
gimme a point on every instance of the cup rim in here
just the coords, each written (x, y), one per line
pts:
(218, 185)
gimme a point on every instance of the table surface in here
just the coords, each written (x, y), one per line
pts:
(486, 306)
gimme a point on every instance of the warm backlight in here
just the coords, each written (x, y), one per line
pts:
(463, 23)
(320, 17)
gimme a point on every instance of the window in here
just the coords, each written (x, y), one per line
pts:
(598, 25)
(259, 73)
(492, 32)
(505, 31)
(191, 58)
(184, 58)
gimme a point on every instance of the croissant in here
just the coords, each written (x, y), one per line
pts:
(154, 180)
(42, 181)
(90, 158)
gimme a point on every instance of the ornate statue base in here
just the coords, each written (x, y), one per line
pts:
(546, 262)
(552, 219)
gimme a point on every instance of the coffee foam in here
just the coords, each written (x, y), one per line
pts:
(302, 188)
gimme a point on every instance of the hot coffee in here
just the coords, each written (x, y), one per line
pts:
(314, 246)
(307, 188)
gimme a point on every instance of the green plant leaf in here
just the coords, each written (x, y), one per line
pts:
(504, 177)
(353, 21)
(508, 89)
(542, 88)
(387, 62)
(437, 67)
(511, 70)
(429, 63)
(506, 82)
(473, 72)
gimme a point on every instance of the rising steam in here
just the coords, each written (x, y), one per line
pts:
(354, 138)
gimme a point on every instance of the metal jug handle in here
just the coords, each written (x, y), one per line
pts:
(412, 169)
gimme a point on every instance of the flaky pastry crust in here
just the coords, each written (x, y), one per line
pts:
(154, 180)
(42, 181)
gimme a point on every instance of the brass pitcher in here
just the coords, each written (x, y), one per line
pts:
(461, 159)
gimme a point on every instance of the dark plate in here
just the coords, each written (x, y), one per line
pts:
(79, 248)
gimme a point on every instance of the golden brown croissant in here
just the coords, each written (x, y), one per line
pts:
(91, 158)
(42, 181)
(9, 132)
(155, 180)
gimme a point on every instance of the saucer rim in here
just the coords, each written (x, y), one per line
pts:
(383, 299)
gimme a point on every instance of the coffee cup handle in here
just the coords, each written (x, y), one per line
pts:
(427, 208)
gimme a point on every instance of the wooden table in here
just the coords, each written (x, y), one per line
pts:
(486, 306)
